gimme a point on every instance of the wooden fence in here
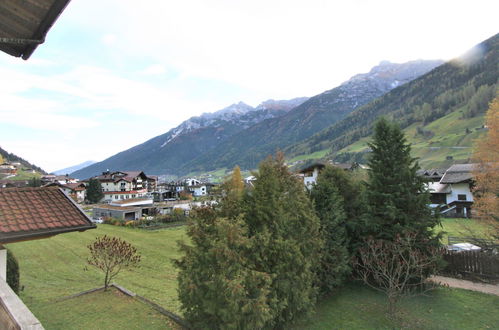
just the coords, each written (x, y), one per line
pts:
(474, 262)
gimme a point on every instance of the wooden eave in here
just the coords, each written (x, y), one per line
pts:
(25, 23)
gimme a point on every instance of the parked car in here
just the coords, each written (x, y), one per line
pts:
(463, 247)
(97, 219)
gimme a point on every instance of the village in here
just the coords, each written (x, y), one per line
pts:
(133, 195)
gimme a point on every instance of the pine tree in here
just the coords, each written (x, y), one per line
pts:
(285, 239)
(217, 289)
(397, 198)
(94, 191)
(329, 205)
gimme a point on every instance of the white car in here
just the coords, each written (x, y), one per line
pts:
(464, 247)
(97, 220)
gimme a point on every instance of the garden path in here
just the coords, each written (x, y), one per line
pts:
(467, 285)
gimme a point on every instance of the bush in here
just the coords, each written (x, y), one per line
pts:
(12, 272)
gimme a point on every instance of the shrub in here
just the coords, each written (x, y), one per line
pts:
(111, 255)
(12, 272)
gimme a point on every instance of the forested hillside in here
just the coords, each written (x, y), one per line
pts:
(459, 91)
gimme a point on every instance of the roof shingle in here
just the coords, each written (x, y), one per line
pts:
(26, 213)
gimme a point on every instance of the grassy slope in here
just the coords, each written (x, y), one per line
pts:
(56, 267)
(102, 310)
(449, 133)
(357, 307)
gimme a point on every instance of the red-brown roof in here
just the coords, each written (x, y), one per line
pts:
(27, 213)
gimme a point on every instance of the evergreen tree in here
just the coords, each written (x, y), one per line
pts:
(217, 289)
(35, 182)
(94, 191)
(285, 238)
(329, 205)
(397, 198)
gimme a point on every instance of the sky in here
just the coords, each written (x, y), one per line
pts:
(113, 74)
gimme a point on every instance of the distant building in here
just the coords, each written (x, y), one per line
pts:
(123, 185)
(129, 209)
(452, 189)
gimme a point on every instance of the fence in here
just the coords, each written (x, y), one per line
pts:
(474, 262)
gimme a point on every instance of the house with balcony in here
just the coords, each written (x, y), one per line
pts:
(120, 185)
(452, 189)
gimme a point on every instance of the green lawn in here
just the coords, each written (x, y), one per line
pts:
(102, 310)
(56, 267)
(358, 307)
(460, 227)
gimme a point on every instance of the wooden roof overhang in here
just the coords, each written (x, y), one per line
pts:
(25, 23)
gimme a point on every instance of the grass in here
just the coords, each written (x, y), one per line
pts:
(56, 267)
(357, 307)
(316, 155)
(461, 227)
(450, 139)
(103, 310)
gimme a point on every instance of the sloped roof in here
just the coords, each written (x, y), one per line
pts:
(27, 213)
(25, 23)
(312, 167)
(458, 173)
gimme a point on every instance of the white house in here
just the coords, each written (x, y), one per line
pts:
(454, 190)
(311, 173)
(123, 185)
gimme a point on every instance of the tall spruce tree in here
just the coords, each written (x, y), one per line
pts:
(94, 191)
(330, 207)
(286, 240)
(397, 198)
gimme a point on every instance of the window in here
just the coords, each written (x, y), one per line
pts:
(461, 197)
(115, 196)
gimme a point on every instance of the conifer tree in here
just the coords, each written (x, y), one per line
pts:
(397, 198)
(217, 289)
(329, 205)
(285, 239)
(94, 191)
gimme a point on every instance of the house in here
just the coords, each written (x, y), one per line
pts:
(311, 173)
(125, 209)
(249, 181)
(198, 190)
(453, 189)
(123, 185)
(8, 169)
(77, 190)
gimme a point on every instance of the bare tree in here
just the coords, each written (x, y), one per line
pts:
(111, 255)
(397, 268)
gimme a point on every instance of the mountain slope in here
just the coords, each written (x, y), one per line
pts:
(73, 168)
(465, 85)
(247, 148)
(10, 157)
(164, 154)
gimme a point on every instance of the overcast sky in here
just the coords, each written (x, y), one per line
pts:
(113, 74)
